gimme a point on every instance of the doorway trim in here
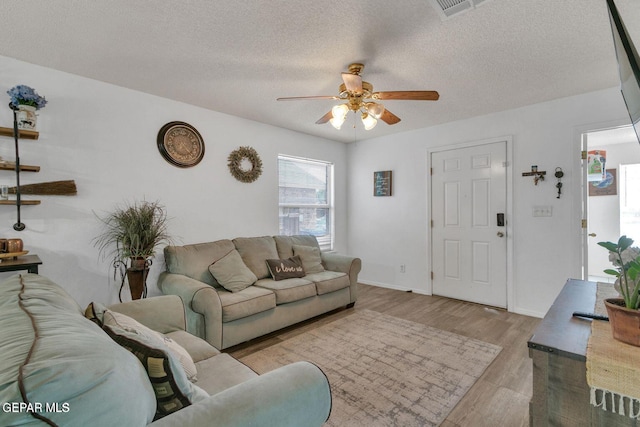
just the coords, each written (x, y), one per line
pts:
(580, 208)
(509, 221)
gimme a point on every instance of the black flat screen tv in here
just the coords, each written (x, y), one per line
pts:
(628, 68)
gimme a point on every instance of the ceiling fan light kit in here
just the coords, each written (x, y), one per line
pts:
(358, 96)
(339, 115)
(368, 121)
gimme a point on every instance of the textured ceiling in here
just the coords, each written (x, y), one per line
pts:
(237, 57)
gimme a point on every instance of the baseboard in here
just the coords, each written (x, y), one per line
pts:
(516, 310)
(395, 287)
(530, 313)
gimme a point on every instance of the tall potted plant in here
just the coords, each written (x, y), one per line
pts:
(624, 312)
(130, 236)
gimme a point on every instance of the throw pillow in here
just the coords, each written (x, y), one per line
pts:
(112, 317)
(173, 389)
(281, 269)
(232, 273)
(310, 256)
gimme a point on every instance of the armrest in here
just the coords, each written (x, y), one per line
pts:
(202, 304)
(162, 313)
(291, 396)
(345, 264)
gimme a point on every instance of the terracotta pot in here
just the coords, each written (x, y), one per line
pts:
(139, 263)
(625, 322)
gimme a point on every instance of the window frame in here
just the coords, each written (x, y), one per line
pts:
(325, 242)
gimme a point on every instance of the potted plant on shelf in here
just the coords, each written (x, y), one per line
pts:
(624, 312)
(26, 101)
(130, 236)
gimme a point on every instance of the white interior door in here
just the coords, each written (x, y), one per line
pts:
(469, 249)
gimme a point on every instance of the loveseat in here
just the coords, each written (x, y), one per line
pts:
(250, 302)
(57, 367)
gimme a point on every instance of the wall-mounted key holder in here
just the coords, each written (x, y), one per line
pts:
(536, 174)
(559, 174)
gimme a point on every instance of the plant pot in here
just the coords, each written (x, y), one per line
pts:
(625, 322)
(137, 279)
(26, 117)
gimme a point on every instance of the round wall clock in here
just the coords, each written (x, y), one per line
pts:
(180, 144)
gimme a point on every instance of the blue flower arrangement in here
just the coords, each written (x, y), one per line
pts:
(24, 95)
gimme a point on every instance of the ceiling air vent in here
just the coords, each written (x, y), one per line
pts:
(448, 8)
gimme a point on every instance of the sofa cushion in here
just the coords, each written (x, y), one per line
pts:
(255, 251)
(222, 372)
(285, 268)
(172, 388)
(284, 244)
(232, 273)
(194, 260)
(329, 281)
(311, 259)
(65, 358)
(236, 305)
(289, 290)
(198, 348)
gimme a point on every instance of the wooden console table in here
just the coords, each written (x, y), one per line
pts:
(558, 350)
(26, 262)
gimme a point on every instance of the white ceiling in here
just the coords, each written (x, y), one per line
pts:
(238, 56)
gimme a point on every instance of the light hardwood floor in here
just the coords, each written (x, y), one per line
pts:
(499, 398)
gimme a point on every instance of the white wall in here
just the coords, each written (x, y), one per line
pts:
(389, 231)
(104, 137)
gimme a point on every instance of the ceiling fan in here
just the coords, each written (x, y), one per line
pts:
(360, 97)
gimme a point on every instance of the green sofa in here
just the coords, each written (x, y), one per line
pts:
(225, 318)
(57, 367)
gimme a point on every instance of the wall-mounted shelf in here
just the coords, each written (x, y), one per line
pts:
(17, 167)
(22, 202)
(23, 168)
(22, 134)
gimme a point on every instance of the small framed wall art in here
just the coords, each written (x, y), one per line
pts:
(607, 187)
(382, 183)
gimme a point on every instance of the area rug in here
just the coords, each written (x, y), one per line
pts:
(385, 371)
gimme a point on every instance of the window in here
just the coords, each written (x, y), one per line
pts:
(305, 198)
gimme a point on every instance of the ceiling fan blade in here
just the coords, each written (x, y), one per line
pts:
(408, 95)
(389, 118)
(352, 82)
(298, 98)
(324, 119)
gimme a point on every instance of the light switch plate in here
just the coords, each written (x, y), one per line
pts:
(540, 211)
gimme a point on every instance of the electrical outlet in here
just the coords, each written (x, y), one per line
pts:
(403, 268)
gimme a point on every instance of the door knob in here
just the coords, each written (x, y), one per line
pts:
(592, 234)
(500, 234)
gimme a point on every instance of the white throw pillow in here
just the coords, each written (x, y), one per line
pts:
(111, 318)
(167, 376)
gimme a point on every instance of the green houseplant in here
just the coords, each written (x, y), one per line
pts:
(624, 312)
(130, 235)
